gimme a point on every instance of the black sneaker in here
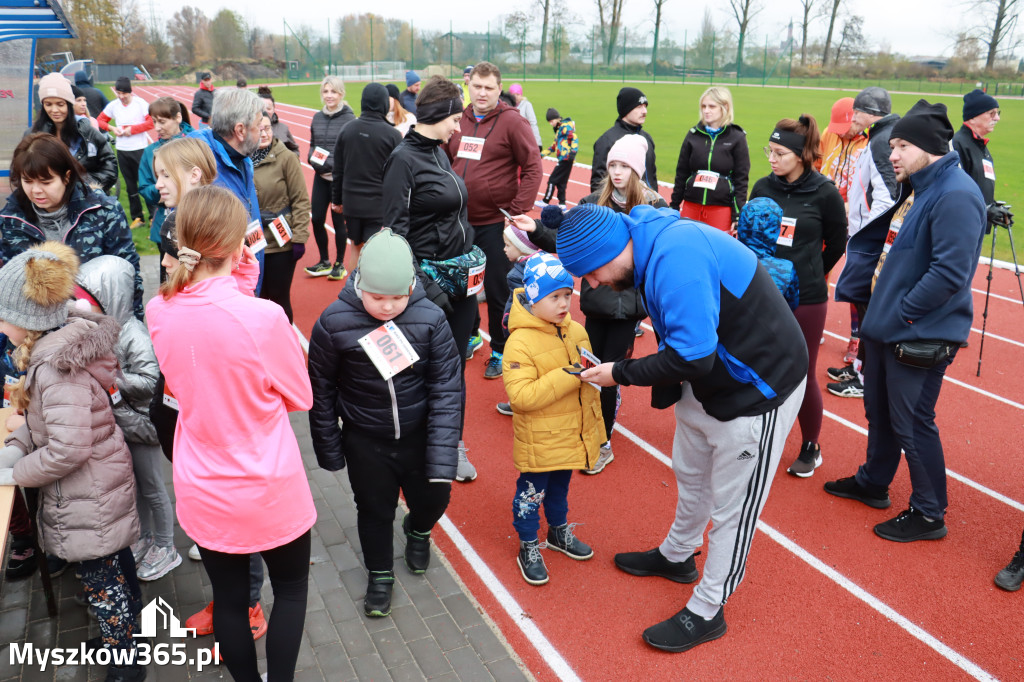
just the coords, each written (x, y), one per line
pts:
(562, 539)
(338, 272)
(493, 370)
(531, 563)
(684, 631)
(377, 602)
(417, 548)
(842, 373)
(55, 566)
(808, 460)
(22, 562)
(851, 388)
(321, 269)
(1011, 577)
(851, 490)
(910, 526)
(504, 408)
(653, 562)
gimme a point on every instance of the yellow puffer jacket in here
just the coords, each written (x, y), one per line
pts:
(556, 418)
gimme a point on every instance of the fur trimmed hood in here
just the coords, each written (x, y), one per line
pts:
(85, 343)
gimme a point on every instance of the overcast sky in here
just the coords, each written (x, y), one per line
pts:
(911, 27)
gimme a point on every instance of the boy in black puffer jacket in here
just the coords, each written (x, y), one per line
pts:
(402, 422)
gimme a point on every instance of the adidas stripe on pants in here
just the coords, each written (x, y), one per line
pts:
(724, 471)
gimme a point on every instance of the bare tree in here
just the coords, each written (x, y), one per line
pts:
(744, 11)
(997, 20)
(831, 28)
(517, 26)
(851, 41)
(808, 5)
(187, 29)
(612, 9)
(657, 27)
(545, 5)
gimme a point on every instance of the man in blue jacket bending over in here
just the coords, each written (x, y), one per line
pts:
(731, 360)
(920, 313)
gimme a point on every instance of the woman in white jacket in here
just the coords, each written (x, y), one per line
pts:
(525, 108)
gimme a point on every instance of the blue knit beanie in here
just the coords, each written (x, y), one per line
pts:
(411, 78)
(977, 102)
(543, 274)
(589, 237)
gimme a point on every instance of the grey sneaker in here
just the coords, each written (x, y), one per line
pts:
(141, 548)
(466, 471)
(159, 562)
(505, 409)
(808, 460)
(603, 460)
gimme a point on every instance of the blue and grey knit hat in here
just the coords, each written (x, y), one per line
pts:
(544, 274)
(589, 237)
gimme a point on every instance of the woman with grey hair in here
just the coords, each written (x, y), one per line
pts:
(323, 134)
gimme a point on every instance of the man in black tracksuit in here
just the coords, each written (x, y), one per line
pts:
(631, 104)
(981, 114)
(363, 147)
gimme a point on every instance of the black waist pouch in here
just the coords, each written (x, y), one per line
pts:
(923, 354)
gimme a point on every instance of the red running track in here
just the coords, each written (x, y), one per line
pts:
(823, 596)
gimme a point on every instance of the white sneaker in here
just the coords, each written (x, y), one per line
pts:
(193, 553)
(159, 562)
(141, 548)
(465, 471)
(603, 459)
(540, 204)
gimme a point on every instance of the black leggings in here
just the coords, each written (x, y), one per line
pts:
(128, 163)
(288, 566)
(320, 199)
(278, 270)
(377, 469)
(612, 340)
(559, 179)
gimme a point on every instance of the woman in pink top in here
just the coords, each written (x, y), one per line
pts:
(236, 370)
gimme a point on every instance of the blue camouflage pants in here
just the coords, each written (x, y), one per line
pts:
(549, 489)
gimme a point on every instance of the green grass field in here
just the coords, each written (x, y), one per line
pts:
(673, 110)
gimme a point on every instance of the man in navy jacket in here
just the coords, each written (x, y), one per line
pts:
(732, 362)
(922, 294)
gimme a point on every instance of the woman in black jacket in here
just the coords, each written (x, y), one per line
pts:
(813, 238)
(89, 146)
(714, 165)
(327, 124)
(425, 202)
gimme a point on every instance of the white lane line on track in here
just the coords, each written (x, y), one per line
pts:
(954, 657)
(511, 607)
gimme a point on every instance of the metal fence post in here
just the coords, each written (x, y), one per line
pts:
(623, 54)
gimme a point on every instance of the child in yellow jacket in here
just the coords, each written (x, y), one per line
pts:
(556, 418)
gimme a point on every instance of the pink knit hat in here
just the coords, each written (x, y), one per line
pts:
(520, 240)
(632, 151)
(55, 85)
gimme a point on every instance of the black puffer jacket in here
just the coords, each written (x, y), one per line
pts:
(423, 399)
(974, 152)
(425, 202)
(323, 133)
(604, 302)
(726, 154)
(360, 153)
(93, 151)
(819, 237)
(202, 104)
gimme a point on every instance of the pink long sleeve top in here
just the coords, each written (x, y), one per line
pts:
(236, 369)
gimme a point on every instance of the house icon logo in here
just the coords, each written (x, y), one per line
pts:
(160, 610)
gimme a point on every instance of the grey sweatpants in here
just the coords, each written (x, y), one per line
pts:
(723, 472)
(156, 515)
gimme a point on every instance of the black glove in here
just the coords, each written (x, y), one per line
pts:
(438, 297)
(999, 214)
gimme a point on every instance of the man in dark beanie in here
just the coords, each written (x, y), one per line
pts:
(981, 114)
(631, 104)
(130, 114)
(731, 362)
(202, 100)
(920, 313)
